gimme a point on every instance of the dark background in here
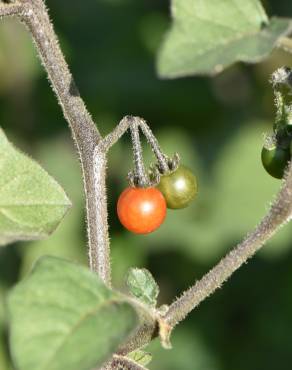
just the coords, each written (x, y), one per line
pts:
(217, 126)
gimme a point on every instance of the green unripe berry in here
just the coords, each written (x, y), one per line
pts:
(178, 187)
(275, 160)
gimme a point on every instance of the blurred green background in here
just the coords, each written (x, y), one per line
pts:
(217, 126)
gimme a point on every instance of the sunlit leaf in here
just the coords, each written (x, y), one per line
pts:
(208, 36)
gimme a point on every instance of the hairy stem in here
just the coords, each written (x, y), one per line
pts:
(128, 122)
(139, 174)
(99, 257)
(86, 136)
(279, 214)
(161, 158)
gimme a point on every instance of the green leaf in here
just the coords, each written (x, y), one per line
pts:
(63, 317)
(141, 357)
(143, 286)
(31, 202)
(208, 36)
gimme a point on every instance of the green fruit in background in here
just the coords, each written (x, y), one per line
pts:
(275, 160)
(178, 187)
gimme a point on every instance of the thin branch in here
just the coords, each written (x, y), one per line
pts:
(161, 158)
(279, 214)
(117, 133)
(128, 122)
(139, 175)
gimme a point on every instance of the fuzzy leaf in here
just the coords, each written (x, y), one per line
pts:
(32, 204)
(63, 317)
(143, 286)
(208, 36)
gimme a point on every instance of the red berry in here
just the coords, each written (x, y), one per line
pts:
(141, 210)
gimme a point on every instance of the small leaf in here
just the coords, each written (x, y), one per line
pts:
(143, 286)
(141, 357)
(208, 36)
(31, 202)
(63, 317)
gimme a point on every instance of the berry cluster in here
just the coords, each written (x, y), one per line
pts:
(142, 206)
